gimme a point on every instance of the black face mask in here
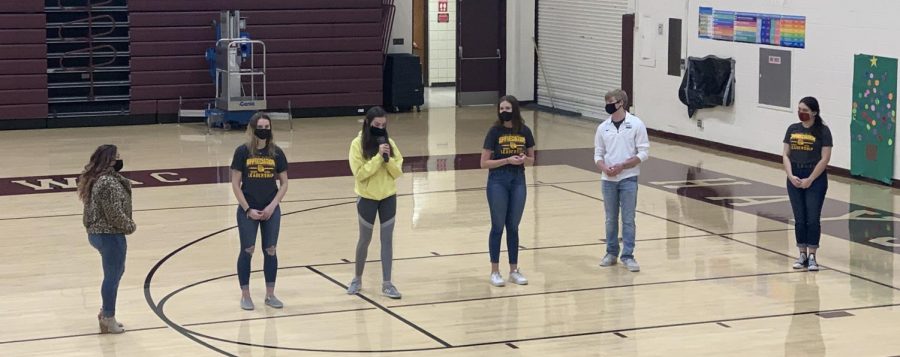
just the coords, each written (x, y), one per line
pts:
(118, 165)
(376, 132)
(263, 134)
(505, 116)
(611, 108)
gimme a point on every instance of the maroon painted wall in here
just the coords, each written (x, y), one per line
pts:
(23, 60)
(321, 53)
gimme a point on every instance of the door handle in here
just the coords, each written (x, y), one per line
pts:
(462, 58)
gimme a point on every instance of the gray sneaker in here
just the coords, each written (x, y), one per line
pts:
(274, 302)
(388, 289)
(631, 265)
(247, 304)
(608, 260)
(354, 287)
(813, 264)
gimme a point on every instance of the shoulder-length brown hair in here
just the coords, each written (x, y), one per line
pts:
(517, 121)
(253, 141)
(101, 162)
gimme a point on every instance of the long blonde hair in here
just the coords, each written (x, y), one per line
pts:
(101, 161)
(253, 141)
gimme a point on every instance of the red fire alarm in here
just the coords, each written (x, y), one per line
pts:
(442, 5)
(444, 17)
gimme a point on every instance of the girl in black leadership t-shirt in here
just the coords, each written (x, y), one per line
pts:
(508, 147)
(259, 181)
(807, 150)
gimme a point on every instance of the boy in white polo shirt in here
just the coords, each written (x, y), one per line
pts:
(620, 146)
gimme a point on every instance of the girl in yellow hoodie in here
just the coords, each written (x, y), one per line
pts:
(376, 164)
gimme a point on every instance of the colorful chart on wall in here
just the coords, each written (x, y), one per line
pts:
(874, 117)
(723, 25)
(705, 26)
(769, 29)
(793, 31)
(746, 27)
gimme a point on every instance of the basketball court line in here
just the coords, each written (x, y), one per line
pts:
(655, 327)
(382, 308)
(174, 208)
(192, 324)
(668, 282)
(235, 204)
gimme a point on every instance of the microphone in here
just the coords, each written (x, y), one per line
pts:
(381, 141)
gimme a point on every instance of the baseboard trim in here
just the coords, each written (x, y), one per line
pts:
(161, 118)
(757, 154)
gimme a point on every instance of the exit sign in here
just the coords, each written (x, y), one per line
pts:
(442, 6)
(444, 17)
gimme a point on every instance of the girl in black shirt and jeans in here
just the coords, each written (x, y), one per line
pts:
(508, 147)
(807, 150)
(259, 180)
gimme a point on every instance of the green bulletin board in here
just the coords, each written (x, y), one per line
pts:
(874, 117)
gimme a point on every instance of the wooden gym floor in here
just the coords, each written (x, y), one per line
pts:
(714, 242)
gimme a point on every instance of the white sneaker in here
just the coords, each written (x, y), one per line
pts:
(516, 277)
(497, 280)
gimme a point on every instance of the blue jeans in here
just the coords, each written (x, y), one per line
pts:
(807, 206)
(112, 249)
(247, 229)
(620, 195)
(506, 199)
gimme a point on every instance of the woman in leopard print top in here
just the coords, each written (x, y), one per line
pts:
(107, 217)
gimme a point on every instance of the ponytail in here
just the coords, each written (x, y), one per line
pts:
(817, 126)
(813, 105)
